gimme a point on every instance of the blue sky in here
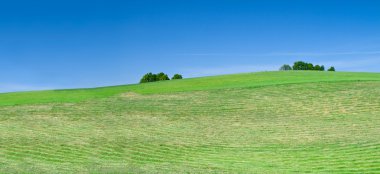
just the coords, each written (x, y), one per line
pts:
(71, 44)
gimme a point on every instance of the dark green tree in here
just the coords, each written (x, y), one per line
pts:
(301, 65)
(331, 69)
(177, 76)
(285, 67)
(162, 76)
(310, 66)
(149, 77)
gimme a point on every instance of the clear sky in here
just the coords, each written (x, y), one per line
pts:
(73, 43)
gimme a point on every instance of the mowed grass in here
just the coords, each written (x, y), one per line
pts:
(289, 122)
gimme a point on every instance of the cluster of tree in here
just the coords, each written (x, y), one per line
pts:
(150, 77)
(300, 65)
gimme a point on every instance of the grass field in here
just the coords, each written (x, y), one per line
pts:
(268, 122)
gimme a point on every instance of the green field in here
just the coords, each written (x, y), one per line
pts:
(267, 122)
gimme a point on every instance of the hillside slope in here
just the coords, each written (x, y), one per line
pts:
(269, 122)
(247, 80)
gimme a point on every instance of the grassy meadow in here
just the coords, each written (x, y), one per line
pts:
(267, 122)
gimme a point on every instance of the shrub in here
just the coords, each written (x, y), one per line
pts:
(177, 76)
(285, 67)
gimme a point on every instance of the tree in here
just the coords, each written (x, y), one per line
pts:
(310, 66)
(162, 76)
(331, 69)
(300, 65)
(317, 67)
(149, 77)
(285, 67)
(177, 76)
(153, 78)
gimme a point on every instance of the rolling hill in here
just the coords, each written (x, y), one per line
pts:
(267, 122)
